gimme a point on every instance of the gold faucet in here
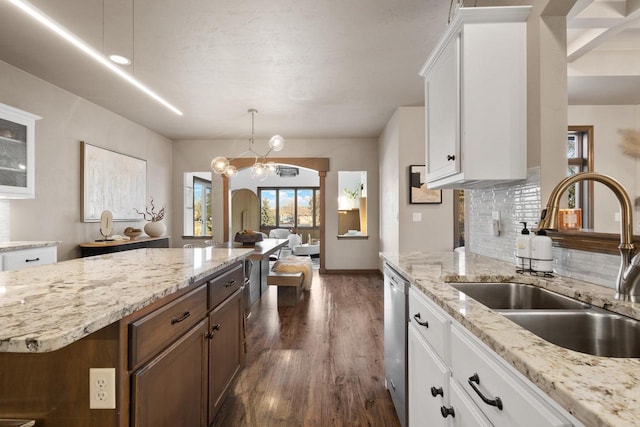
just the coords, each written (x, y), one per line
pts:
(628, 280)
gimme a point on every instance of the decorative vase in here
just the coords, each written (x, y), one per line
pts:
(155, 229)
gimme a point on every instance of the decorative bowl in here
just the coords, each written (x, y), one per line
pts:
(247, 237)
(132, 233)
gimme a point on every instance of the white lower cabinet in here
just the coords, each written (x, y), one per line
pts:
(456, 380)
(428, 382)
(463, 412)
(502, 394)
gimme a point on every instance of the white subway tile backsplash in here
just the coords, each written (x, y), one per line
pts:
(521, 202)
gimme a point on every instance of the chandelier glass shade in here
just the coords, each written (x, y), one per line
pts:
(261, 169)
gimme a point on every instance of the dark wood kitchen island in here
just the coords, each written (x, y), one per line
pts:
(167, 322)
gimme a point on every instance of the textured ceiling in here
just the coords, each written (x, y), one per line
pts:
(313, 69)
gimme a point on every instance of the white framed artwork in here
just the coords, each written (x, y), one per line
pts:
(111, 181)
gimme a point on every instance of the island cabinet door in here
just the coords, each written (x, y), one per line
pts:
(226, 353)
(170, 390)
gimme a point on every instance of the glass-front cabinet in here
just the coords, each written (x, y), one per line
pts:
(17, 149)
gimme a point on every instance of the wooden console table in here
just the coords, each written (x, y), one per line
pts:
(100, 248)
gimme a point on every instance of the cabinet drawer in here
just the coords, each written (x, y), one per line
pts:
(225, 284)
(155, 331)
(16, 260)
(522, 404)
(431, 322)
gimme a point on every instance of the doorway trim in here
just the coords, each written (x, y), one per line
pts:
(319, 164)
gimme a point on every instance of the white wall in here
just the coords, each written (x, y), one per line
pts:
(67, 119)
(402, 144)
(344, 154)
(609, 158)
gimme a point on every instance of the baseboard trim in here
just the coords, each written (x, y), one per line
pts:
(378, 272)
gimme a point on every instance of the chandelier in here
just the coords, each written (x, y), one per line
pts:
(261, 168)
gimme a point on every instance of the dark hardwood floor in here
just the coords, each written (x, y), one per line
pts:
(319, 363)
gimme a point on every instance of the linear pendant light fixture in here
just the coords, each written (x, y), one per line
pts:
(67, 35)
(260, 169)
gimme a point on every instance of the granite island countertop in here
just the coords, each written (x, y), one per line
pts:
(599, 391)
(47, 307)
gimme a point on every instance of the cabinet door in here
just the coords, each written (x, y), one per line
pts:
(464, 412)
(170, 390)
(225, 349)
(442, 98)
(428, 383)
(17, 134)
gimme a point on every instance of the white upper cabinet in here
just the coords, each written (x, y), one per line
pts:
(17, 153)
(475, 99)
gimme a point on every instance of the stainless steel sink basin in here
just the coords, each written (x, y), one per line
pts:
(595, 331)
(510, 296)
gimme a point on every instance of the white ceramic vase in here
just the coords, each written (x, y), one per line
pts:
(155, 229)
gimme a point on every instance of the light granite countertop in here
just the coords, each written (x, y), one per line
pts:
(47, 307)
(599, 391)
(16, 245)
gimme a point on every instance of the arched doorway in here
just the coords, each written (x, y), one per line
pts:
(319, 164)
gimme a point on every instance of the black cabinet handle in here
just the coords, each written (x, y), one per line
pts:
(451, 157)
(497, 402)
(230, 283)
(181, 318)
(437, 391)
(32, 259)
(215, 327)
(417, 318)
(447, 411)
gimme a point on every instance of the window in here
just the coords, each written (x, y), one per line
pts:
(580, 159)
(202, 225)
(283, 207)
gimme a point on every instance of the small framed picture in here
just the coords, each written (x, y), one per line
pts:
(418, 192)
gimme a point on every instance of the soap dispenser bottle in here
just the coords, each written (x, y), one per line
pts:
(541, 257)
(523, 248)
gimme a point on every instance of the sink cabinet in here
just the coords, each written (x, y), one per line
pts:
(475, 99)
(446, 356)
(17, 153)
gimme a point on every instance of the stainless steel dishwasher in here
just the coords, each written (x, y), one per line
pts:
(396, 289)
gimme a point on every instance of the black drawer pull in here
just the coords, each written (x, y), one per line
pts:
(181, 318)
(497, 402)
(417, 318)
(32, 259)
(451, 157)
(437, 391)
(447, 411)
(230, 283)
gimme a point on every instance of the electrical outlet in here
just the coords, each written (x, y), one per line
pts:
(102, 388)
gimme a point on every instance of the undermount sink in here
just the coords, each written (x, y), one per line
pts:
(595, 331)
(510, 296)
(558, 319)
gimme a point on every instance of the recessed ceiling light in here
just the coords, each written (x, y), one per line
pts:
(88, 50)
(118, 59)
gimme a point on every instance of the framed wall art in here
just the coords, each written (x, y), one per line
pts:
(418, 191)
(111, 181)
